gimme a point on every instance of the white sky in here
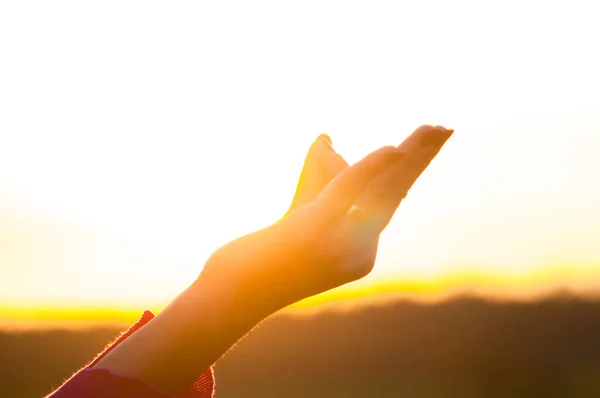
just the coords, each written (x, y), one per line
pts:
(137, 137)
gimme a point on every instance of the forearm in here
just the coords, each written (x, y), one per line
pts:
(320, 245)
(184, 340)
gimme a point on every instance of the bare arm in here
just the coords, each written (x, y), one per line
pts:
(328, 238)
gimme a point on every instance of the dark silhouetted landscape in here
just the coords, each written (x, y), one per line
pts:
(465, 347)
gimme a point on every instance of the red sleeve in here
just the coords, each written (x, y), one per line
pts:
(102, 383)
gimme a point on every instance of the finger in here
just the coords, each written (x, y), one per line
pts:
(383, 196)
(340, 194)
(321, 165)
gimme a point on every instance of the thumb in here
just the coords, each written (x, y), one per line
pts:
(321, 165)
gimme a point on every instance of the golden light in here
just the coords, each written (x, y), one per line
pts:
(135, 143)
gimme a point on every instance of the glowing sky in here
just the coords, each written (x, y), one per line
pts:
(136, 137)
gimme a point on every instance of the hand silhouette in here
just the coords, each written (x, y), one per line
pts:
(328, 237)
(331, 232)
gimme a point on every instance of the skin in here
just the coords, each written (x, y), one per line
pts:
(328, 237)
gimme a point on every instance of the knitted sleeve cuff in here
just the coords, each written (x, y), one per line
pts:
(96, 383)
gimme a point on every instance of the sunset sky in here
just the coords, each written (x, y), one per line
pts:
(137, 137)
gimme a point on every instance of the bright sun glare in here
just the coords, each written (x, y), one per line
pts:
(134, 143)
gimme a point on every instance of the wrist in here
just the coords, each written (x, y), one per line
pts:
(230, 300)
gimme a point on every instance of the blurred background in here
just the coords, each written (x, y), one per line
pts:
(137, 137)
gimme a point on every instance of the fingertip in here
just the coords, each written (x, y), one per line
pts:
(321, 145)
(444, 130)
(325, 138)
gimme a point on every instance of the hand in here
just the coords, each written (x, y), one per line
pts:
(328, 237)
(331, 232)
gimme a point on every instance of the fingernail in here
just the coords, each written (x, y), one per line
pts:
(326, 138)
(435, 139)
